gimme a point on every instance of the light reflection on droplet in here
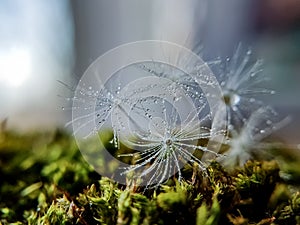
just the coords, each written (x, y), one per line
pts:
(231, 98)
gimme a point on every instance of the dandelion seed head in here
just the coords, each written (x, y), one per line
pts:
(159, 101)
(241, 80)
(163, 103)
(248, 140)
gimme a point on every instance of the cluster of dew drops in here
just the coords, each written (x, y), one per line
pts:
(164, 116)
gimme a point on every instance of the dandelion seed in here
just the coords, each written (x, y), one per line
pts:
(188, 81)
(240, 78)
(168, 145)
(98, 106)
(247, 141)
(180, 79)
(161, 113)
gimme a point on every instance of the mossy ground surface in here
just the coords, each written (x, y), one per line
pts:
(45, 180)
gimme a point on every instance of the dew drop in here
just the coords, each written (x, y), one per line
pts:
(231, 98)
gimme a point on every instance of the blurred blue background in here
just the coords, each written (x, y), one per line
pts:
(45, 41)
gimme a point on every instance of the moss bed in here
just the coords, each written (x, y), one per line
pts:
(45, 180)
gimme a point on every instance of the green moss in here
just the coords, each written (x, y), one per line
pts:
(44, 180)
